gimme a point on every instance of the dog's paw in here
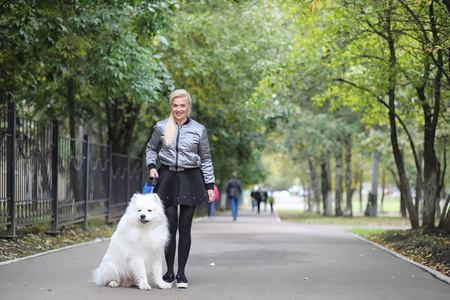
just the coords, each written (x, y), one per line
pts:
(144, 286)
(164, 285)
(113, 284)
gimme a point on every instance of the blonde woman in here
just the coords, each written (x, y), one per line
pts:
(185, 177)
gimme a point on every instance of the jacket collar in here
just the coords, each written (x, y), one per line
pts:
(186, 122)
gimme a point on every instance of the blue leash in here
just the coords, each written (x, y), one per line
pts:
(150, 185)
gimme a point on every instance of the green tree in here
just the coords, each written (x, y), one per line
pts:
(217, 51)
(378, 28)
(299, 77)
(94, 62)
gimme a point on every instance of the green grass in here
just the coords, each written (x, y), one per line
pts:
(300, 216)
(391, 204)
(366, 232)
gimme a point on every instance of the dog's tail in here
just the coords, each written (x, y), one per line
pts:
(96, 277)
(103, 275)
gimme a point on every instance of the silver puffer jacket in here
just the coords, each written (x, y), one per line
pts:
(189, 148)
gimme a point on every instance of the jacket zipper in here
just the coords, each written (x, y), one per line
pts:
(176, 148)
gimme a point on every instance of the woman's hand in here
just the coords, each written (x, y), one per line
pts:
(153, 173)
(211, 195)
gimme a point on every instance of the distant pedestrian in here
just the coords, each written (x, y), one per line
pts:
(234, 191)
(253, 199)
(265, 198)
(257, 195)
(271, 200)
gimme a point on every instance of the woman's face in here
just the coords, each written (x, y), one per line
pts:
(180, 109)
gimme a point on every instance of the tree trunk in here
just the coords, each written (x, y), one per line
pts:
(360, 190)
(419, 190)
(122, 116)
(373, 211)
(314, 187)
(348, 176)
(310, 186)
(393, 127)
(444, 222)
(74, 180)
(402, 197)
(71, 107)
(431, 115)
(326, 186)
(305, 195)
(404, 186)
(338, 185)
(383, 187)
(371, 208)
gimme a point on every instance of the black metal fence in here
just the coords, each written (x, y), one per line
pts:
(46, 178)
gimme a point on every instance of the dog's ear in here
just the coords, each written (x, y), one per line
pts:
(133, 199)
(156, 199)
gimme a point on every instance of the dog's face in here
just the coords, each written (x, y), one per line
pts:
(146, 207)
(144, 216)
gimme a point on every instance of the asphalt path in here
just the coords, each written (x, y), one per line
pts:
(255, 257)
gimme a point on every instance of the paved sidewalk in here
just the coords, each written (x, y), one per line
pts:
(256, 257)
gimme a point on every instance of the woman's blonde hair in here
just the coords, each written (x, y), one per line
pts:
(171, 127)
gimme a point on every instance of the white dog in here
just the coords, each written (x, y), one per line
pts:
(137, 246)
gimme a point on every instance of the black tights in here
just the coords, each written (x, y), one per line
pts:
(183, 223)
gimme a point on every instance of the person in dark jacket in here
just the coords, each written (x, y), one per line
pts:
(234, 191)
(185, 177)
(257, 194)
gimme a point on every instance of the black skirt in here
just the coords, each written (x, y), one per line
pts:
(181, 187)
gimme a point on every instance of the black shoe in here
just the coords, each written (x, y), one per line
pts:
(182, 281)
(169, 277)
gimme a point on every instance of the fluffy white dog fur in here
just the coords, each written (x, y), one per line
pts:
(136, 250)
